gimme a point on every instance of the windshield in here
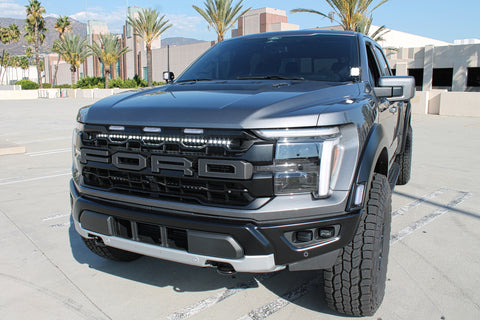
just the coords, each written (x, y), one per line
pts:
(318, 57)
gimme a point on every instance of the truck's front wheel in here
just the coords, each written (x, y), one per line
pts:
(108, 252)
(355, 285)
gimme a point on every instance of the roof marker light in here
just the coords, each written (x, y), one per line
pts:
(116, 128)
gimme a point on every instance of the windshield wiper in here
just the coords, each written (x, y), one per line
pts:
(193, 80)
(272, 77)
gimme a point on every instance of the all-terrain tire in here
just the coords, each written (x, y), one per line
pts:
(110, 252)
(405, 160)
(355, 285)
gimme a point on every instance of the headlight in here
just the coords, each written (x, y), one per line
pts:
(306, 160)
(76, 153)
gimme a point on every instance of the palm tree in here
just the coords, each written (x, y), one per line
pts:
(149, 26)
(221, 15)
(351, 13)
(108, 51)
(36, 31)
(74, 50)
(24, 65)
(62, 26)
(7, 35)
(364, 27)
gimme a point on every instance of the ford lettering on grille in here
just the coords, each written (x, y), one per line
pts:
(212, 168)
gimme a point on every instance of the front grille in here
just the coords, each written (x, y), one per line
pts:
(126, 163)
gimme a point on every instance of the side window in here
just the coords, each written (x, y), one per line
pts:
(373, 66)
(384, 68)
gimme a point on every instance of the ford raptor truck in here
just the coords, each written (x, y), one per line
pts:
(271, 151)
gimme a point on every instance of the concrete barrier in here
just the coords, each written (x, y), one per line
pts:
(49, 93)
(460, 104)
(420, 102)
(18, 94)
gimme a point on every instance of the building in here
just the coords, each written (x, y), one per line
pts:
(452, 68)
(263, 20)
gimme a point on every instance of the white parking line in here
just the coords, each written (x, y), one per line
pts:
(429, 218)
(48, 152)
(57, 216)
(189, 311)
(35, 179)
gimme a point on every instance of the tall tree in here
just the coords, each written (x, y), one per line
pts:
(221, 15)
(62, 25)
(365, 25)
(36, 31)
(108, 50)
(351, 13)
(7, 35)
(149, 27)
(74, 50)
(24, 65)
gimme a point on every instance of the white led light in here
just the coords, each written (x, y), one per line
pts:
(359, 194)
(116, 128)
(355, 72)
(152, 130)
(298, 133)
(193, 131)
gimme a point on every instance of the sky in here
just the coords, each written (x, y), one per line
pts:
(441, 20)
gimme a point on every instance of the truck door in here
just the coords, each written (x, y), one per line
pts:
(389, 113)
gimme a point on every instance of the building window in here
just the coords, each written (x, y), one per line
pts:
(442, 78)
(418, 75)
(473, 78)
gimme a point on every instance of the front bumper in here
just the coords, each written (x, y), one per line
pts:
(203, 240)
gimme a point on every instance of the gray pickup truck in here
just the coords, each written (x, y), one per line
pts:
(271, 151)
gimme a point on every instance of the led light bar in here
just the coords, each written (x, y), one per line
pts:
(190, 142)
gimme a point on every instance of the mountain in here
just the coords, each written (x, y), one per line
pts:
(18, 48)
(178, 41)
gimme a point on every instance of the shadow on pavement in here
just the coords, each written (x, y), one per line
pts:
(307, 292)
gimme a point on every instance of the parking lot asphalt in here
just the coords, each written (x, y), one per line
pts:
(46, 272)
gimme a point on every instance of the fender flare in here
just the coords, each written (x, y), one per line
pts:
(375, 145)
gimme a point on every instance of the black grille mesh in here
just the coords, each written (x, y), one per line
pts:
(214, 144)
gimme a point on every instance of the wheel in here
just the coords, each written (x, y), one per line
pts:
(109, 252)
(355, 285)
(405, 160)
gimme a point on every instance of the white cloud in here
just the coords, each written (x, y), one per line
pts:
(188, 26)
(10, 9)
(115, 19)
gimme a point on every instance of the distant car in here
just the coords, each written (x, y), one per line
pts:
(272, 151)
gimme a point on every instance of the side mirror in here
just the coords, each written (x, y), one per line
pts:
(168, 76)
(396, 88)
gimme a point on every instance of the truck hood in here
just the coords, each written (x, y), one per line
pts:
(229, 105)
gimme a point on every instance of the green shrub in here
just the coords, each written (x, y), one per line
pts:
(156, 83)
(63, 86)
(46, 85)
(140, 82)
(27, 84)
(119, 83)
(90, 83)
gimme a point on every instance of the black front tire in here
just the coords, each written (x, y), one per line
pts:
(109, 252)
(355, 285)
